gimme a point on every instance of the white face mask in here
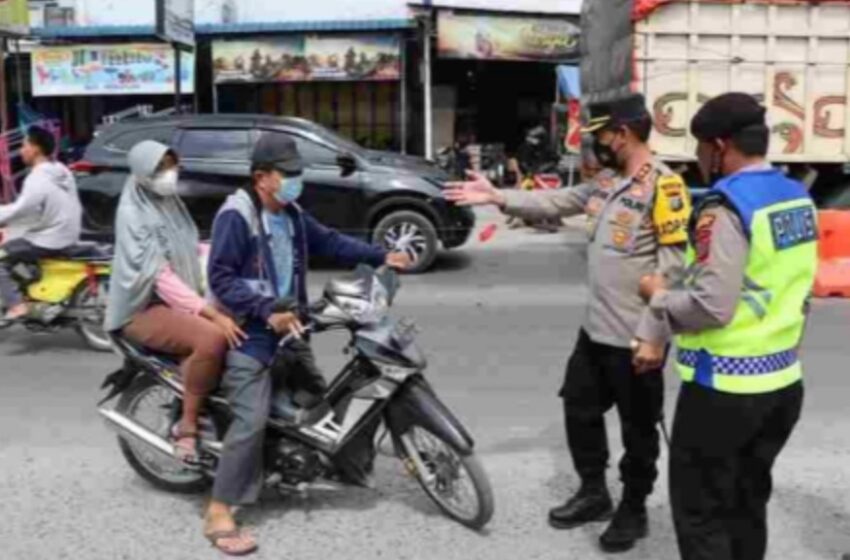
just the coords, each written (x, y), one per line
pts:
(165, 183)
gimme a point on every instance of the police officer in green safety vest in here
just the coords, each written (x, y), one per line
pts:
(739, 315)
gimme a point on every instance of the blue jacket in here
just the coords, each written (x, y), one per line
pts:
(240, 270)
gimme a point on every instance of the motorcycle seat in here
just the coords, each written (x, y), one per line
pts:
(88, 252)
(142, 356)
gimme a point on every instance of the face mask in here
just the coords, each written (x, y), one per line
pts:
(165, 183)
(290, 189)
(605, 154)
(715, 170)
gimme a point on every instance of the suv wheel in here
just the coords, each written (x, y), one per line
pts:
(410, 232)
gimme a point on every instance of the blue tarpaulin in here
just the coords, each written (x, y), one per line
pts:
(569, 81)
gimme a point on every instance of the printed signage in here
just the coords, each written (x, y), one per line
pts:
(14, 17)
(302, 58)
(175, 21)
(108, 70)
(507, 38)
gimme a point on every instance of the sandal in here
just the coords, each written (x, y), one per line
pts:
(185, 444)
(239, 535)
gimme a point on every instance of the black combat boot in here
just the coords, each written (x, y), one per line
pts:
(591, 503)
(630, 524)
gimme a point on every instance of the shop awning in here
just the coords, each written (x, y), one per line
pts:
(99, 31)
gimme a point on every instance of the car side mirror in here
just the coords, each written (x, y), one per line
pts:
(348, 164)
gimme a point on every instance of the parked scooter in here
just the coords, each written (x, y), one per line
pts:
(314, 447)
(67, 291)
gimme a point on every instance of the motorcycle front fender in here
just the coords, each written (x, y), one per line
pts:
(417, 405)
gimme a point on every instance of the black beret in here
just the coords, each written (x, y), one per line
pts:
(616, 113)
(725, 115)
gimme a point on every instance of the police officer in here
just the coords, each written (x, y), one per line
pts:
(637, 213)
(739, 316)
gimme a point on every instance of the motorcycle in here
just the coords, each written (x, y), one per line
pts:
(335, 437)
(67, 291)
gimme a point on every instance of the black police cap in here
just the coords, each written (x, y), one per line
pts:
(278, 151)
(724, 116)
(616, 113)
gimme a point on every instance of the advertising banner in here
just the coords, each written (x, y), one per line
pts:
(304, 58)
(108, 70)
(490, 37)
(14, 17)
(175, 21)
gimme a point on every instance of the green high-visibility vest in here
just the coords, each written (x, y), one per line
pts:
(757, 351)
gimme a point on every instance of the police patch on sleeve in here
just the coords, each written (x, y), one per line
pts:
(672, 210)
(793, 227)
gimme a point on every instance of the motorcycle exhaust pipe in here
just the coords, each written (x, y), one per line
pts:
(128, 427)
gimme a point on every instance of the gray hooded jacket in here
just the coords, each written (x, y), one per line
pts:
(48, 208)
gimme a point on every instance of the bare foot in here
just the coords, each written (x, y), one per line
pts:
(17, 311)
(222, 531)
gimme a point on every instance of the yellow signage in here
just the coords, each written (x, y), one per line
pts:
(14, 17)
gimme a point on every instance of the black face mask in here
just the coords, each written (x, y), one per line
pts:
(605, 155)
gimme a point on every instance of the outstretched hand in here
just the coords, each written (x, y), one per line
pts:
(399, 261)
(476, 191)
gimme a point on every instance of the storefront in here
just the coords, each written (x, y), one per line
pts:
(352, 83)
(495, 75)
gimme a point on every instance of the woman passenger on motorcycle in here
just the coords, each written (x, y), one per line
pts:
(155, 297)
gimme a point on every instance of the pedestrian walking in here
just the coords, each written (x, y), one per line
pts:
(739, 316)
(637, 212)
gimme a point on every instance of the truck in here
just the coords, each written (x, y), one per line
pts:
(794, 56)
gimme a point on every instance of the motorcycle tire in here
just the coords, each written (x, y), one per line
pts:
(193, 482)
(93, 333)
(474, 470)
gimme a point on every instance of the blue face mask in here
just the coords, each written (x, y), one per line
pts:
(290, 189)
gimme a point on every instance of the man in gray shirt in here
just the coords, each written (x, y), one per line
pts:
(47, 214)
(637, 214)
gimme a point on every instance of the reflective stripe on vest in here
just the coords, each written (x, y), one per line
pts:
(756, 352)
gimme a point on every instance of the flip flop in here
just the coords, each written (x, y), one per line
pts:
(215, 538)
(185, 445)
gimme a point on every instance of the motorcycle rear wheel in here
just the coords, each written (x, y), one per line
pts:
(91, 328)
(166, 473)
(439, 468)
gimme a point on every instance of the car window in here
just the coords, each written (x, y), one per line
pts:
(125, 141)
(218, 144)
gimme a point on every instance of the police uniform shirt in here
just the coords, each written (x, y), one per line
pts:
(636, 226)
(715, 279)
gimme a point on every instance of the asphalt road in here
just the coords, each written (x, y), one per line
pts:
(497, 321)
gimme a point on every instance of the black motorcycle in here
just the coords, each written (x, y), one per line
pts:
(332, 439)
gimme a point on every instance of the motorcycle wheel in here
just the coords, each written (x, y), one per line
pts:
(91, 328)
(456, 483)
(152, 405)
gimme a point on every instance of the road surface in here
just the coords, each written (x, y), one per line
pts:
(498, 321)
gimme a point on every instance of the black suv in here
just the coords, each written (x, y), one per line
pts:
(386, 198)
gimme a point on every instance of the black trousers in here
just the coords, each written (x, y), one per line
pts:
(598, 378)
(722, 453)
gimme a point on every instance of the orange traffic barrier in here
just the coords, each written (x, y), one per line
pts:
(833, 278)
(834, 240)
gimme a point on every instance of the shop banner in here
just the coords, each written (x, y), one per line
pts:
(302, 58)
(14, 17)
(175, 21)
(108, 70)
(507, 38)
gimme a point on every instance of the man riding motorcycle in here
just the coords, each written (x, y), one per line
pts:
(260, 247)
(46, 217)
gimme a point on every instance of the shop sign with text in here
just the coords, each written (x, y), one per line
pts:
(108, 70)
(491, 37)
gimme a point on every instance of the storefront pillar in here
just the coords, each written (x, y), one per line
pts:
(427, 78)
